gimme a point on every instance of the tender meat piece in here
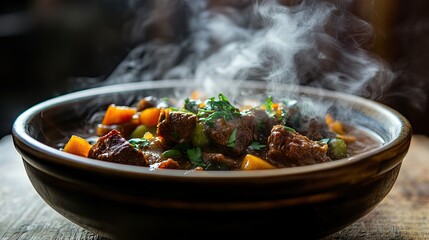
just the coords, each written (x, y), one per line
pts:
(152, 152)
(315, 129)
(218, 159)
(152, 101)
(153, 155)
(312, 127)
(176, 127)
(292, 149)
(167, 164)
(112, 147)
(146, 102)
(219, 132)
(264, 123)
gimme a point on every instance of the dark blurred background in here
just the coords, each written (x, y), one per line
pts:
(52, 47)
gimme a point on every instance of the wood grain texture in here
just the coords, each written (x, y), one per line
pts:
(403, 214)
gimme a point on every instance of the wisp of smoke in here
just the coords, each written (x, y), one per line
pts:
(314, 43)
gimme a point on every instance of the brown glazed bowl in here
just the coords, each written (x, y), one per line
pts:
(123, 202)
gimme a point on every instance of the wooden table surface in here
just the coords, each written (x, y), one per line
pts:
(403, 214)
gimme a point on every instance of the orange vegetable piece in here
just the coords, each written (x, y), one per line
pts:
(78, 146)
(337, 127)
(195, 95)
(150, 116)
(118, 114)
(275, 106)
(135, 119)
(334, 125)
(251, 162)
(348, 138)
(328, 119)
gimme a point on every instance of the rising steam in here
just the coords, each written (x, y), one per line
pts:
(316, 43)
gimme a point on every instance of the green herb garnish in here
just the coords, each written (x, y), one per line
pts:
(232, 139)
(290, 129)
(195, 157)
(139, 143)
(257, 146)
(269, 109)
(269, 105)
(172, 153)
(215, 109)
(191, 105)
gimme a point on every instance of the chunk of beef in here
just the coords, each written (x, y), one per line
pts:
(293, 149)
(176, 127)
(313, 127)
(153, 151)
(219, 132)
(167, 164)
(146, 102)
(112, 147)
(151, 101)
(219, 161)
(264, 123)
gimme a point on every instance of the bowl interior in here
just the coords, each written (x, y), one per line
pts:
(47, 125)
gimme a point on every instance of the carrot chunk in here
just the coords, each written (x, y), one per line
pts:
(251, 162)
(334, 125)
(329, 119)
(78, 146)
(150, 116)
(118, 114)
(196, 95)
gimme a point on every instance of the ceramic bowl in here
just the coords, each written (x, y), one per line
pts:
(123, 202)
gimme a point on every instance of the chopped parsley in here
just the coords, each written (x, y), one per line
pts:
(191, 105)
(269, 106)
(232, 139)
(215, 109)
(257, 146)
(274, 113)
(139, 143)
(172, 153)
(195, 157)
(289, 129)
